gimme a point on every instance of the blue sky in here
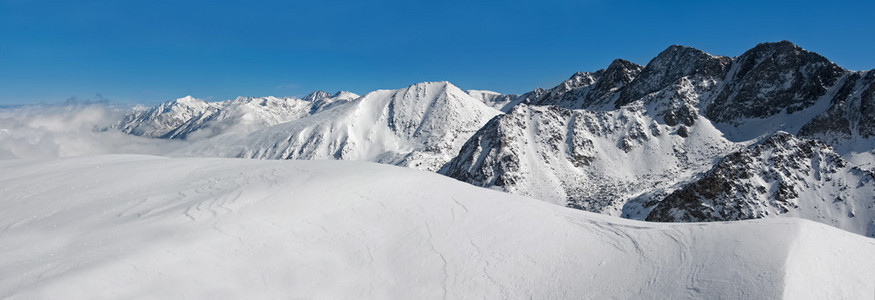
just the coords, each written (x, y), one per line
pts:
(152, 51)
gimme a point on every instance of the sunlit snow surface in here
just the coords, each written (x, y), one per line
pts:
(127, 227)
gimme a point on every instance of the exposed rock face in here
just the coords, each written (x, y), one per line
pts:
(780, 175)
(613, 79)
(583, 90)
(668, 67)
(583, 159)
(780, 83)
(852, 111)
(571, 93)
(773, 78)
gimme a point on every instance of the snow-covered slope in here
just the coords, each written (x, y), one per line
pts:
(594, 161)
(132, 227)
(421, 126)
(782, 175)
(190, 118)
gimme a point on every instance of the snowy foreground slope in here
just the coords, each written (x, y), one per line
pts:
(129, 226)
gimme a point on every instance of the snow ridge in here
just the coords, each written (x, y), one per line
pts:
(420, 126)
(190, 118)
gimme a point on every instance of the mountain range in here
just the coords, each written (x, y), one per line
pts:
(688, 137)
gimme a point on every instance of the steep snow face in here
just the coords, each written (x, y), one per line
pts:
(421, 126)
(190, 118)
(782, 175)
(111, 227)
(594, 161)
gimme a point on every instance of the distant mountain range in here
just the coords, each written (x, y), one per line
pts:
(691, 136)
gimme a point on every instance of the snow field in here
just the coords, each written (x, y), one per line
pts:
(127, 226)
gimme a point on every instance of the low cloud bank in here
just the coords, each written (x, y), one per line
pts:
(71, 129)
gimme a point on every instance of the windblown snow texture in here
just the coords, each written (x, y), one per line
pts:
(111, 227)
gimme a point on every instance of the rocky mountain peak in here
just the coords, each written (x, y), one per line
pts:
(771, 78)
(668, 67)
(568, 94)
(579, 80)
(620, 64)
(618, 74)
(317, 96)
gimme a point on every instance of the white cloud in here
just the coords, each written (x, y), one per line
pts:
(70, 129)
